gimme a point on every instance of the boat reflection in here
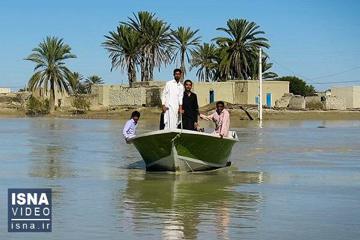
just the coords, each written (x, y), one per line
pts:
(176, 205)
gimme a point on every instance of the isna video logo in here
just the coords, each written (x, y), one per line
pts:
(29, 210)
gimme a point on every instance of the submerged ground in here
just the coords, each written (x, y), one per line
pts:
(289, 180)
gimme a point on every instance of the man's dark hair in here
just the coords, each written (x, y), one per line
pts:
(135, 114)
(177, 70)
(220, 103)
(188, 81)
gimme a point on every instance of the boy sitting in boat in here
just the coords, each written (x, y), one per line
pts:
(130, 126)
(221, 118)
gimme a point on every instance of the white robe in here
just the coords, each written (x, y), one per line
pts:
(171, 98)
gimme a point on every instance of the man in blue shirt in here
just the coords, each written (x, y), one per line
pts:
(130, 126)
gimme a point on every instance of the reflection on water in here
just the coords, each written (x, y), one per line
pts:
(288, 179)
(50, 150)
(183, 202)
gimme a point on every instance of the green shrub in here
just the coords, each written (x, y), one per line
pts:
(37, 106)
(81, 104)
(298, 86)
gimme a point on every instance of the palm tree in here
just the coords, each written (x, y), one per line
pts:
(141, 23)
(91, 80)
(160, 46)
(156, 42)
(239, 47)
(266, 74)
(123, 46)
(94, 79)
(50, 70)
(185, 40)
(205, 57)
(75, 83)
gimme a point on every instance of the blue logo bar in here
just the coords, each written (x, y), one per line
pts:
(29, 210)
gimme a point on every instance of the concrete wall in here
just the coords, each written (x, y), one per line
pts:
(297, 102)
(351, 95)
(276, 88)
(236, 92)
(223, 91)
(67, 102)
(59, 96)
(117, 95)
(356, 99)
(13, 100)
(5, 90)
(153, 96)
(149, 84)
(284, 101)
(240, 91)
(314, 103)
(334, 103)
(102, 93)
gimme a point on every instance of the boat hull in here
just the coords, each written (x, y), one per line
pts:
(184, 150)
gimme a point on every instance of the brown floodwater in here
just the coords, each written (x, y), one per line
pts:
(288, 180)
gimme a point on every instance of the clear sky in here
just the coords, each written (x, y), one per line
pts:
(317, 40)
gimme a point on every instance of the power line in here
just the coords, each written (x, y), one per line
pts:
(289, 69)
(310, 80)
(338, 73)
(317, 83)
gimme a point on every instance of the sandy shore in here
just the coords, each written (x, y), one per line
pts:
(238, 114)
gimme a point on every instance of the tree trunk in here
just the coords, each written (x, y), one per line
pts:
(151, 67)
(52, 97)
(182, 64)
(146, 68)
(131, 74)
(143, 67)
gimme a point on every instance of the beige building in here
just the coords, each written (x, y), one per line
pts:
(240, 91)
(350, 94)
(5, 90)
(148, 93)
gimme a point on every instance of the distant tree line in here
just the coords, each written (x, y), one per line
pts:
(145, 43)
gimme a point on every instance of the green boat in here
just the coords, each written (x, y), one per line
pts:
(183, 150)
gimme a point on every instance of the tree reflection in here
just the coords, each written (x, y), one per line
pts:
(49, 149)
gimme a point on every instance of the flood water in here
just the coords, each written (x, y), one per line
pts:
(288, 180)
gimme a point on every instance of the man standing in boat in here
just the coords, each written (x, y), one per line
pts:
(190, 107)
(221, 118)
(172, 100)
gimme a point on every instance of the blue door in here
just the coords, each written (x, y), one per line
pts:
(212, 96)
(268, 100)
(257, 100)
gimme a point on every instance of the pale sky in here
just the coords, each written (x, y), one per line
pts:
(314, 40)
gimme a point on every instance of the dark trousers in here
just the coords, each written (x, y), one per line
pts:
(162, 124)
(188, 123)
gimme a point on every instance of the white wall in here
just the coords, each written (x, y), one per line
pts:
(5, 90)
(350, 94)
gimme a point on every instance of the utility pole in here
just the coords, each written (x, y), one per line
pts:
(260, 86)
